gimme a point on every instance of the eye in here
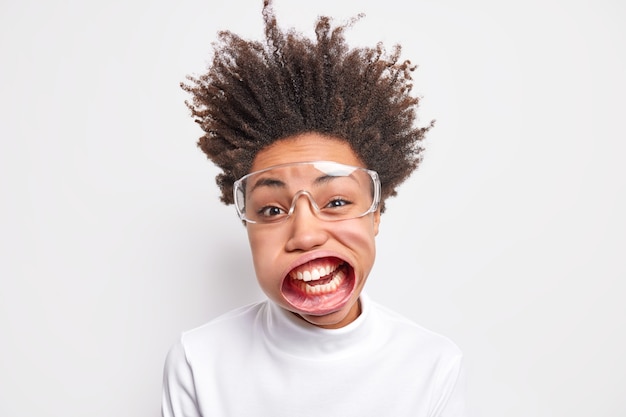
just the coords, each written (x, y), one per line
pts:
(271, 211)
(338, 202)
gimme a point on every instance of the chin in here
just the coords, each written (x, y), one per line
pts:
(335, 319)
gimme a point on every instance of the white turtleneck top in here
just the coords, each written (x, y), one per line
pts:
(261, 360)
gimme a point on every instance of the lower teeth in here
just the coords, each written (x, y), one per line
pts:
(329, 287)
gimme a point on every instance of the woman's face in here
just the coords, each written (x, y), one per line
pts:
(312, 267)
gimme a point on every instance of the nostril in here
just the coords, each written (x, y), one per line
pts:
(306, 230)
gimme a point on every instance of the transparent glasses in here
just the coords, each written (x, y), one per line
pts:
(335, 191)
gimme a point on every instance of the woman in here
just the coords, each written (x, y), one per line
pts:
(312, 137)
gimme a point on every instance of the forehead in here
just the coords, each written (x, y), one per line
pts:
(313, 173)
(303, 148)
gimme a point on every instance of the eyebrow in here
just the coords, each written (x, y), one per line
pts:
(268, 182)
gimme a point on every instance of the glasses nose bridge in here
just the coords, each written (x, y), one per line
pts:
(315, 209)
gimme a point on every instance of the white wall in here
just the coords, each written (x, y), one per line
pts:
(509, 239)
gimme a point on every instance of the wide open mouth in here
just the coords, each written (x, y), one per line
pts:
(321, 286)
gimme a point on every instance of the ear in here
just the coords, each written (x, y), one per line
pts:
(376, 220)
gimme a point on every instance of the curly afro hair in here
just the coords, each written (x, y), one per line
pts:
(255, 94)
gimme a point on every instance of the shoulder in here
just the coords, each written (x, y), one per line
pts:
(232, 328)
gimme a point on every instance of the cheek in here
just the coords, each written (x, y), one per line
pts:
(360, 240)
(265, 250)
(256, 245)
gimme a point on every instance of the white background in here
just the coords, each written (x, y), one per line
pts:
(509, 239)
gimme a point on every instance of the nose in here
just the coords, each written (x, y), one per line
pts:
(307, 231)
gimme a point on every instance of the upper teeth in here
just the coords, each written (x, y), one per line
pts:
(307, 273)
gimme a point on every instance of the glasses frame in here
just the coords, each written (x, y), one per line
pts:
(241, 208)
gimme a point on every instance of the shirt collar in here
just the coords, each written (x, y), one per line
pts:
(295, 336)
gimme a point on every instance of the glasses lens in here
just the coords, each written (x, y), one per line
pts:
(336, 191)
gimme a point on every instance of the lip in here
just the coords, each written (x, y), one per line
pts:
(319, 304)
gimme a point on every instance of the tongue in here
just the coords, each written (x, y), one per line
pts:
(321, 281)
